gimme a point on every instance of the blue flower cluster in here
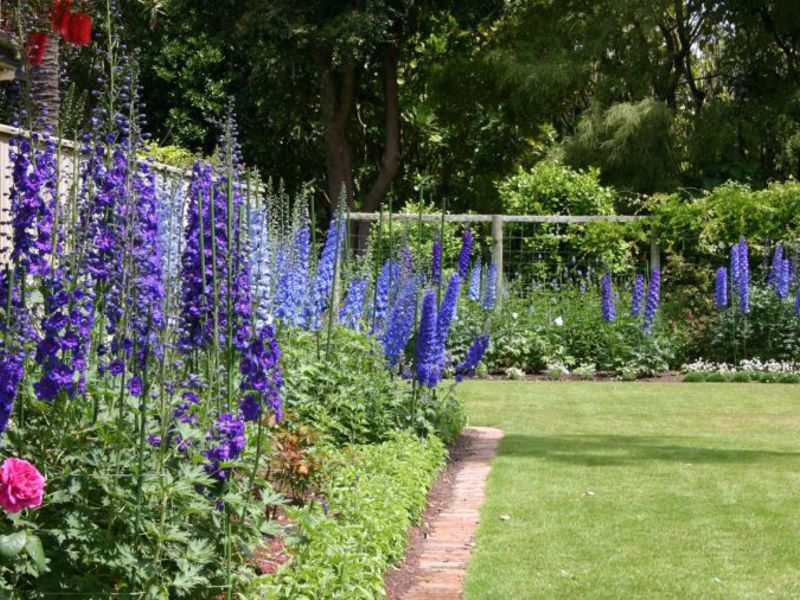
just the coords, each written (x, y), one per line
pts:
(607, 299)
(721, 288)
(352, 311)
(637, 295)
(429, 349)
(490, 290)
(475, 282)
(653, 298)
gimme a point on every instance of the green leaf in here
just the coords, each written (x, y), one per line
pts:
(12, 544)
(33, 546)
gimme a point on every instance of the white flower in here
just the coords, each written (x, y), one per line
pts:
(514, 316)
(559, 322)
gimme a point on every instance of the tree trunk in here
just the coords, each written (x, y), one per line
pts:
(336, 103)
(391, 146)
(45, 88)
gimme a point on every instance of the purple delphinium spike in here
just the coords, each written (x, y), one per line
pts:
(32, 196)
(782, 283)
(227, 441)
(447, 311)
(797, 304)
(400, 323)
(473, 357)
(721, 288)
(651, 304)
(262, 378)
(743, 276)
(428, 348)
(436, 262)
(11, 372)
(775, 270)
(352, 310)
(490, 291)
(607, 299)
(637, 295)
(475, 282)
(464, 256)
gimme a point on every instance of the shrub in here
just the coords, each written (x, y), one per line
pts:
(372, 499)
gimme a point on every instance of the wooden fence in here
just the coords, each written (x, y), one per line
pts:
(498, 226)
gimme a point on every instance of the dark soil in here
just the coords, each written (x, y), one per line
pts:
(399, 578)
(669, 377)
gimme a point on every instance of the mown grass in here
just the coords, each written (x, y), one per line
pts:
(619, 490)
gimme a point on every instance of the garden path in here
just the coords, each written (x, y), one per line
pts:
(447, 549)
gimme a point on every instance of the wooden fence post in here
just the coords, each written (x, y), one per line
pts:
(497, 253)
(655, 253)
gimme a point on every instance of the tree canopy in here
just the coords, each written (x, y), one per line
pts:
(381, 97)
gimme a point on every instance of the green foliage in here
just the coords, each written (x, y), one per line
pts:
(631, 142)
(770, 331)
(551, 188)
(94, 533)
(545, 327)
(554, 189)
(349, 395)
(373, 498)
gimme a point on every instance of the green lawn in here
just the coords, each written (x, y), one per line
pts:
(619, 490)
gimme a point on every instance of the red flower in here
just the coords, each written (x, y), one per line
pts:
(80, 29)
(61, 16)
(36, 46)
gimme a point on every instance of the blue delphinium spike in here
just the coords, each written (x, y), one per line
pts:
(651, 304)
(447, 311)
(400, 324)
(777, 261)
(490, 291)
(436, 262)
(721, 288)
(473, 357)
(607, 299)
(637, 295)
(353, 308)
(466, 253)
(743, 276)
(782, 283)
(428, 349)
(475, 282)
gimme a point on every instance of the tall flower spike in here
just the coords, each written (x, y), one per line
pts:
(464, 256)
(637, 295)
(326, 271)
(653, 297)
(401, 323)
(743, 276)
(775, 270)
(782, 284)
(436, 262)
(447, 311)
(607, 299)
(227, 441)
(473, 357)
(721, 288)
(382, 293)
(353, 308)
(262, 379)
(429, 349)
(490, 291)
(475, 282)
(797, 304)
(734, 267)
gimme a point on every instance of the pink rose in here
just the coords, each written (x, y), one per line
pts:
(21, 485)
